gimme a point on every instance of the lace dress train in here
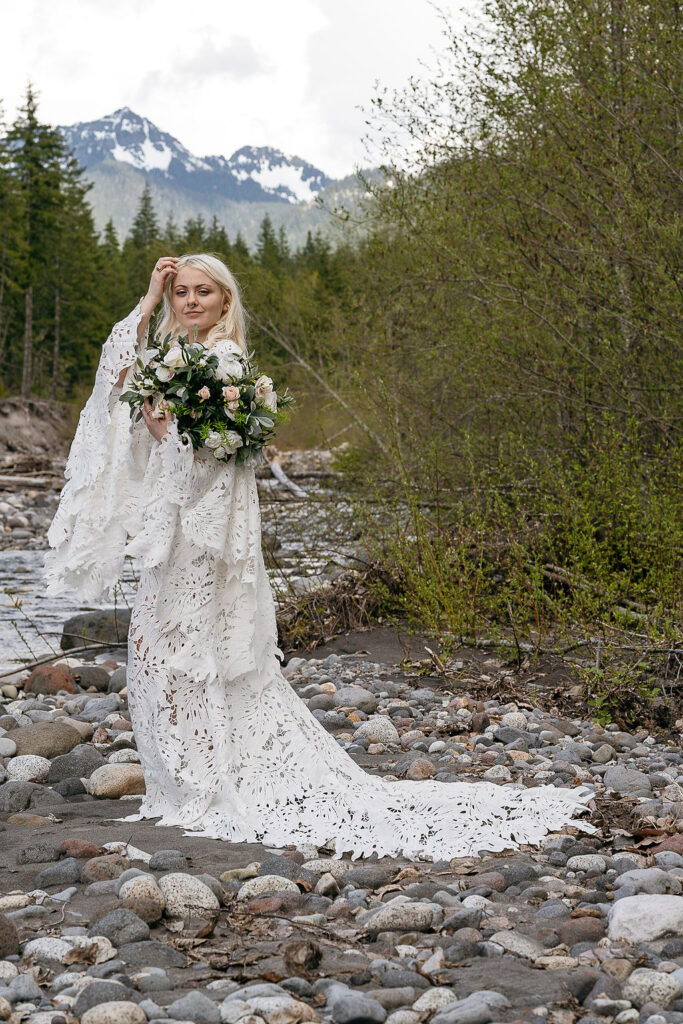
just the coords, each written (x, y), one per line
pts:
(228, 750)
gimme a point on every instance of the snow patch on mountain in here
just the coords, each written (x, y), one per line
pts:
(250, 174)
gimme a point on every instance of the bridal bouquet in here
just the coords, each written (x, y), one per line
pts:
(219, 398)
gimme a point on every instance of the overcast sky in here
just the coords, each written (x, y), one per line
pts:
(218, 74)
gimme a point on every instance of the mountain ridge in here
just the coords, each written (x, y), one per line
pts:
(123, 152)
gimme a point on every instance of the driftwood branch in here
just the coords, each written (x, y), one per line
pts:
(62, 654)
(280, 475)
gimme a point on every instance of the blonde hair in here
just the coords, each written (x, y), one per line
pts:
(232, 323)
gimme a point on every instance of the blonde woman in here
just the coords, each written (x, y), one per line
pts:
(227, 749)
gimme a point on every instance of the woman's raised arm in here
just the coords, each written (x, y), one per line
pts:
(164, 268)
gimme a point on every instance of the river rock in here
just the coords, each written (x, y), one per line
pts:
(144, 889)
(647, 986)
(64, 872)
(404, 917)
(479, 1008)
(263, 885)
(519, 945)
(45, 739)
(185, 895)
(29, 768)
(167, 860)
(81, 848)
(195, 1006)
(648, 880)
(9, 937)
(282, 1009)
(79, 763)
(38, 853)
(626, 780)
(420, 768)
(49, 679)
(115, 1013)
(151, 954)
(90, 675)
(348, 1007)
(355, 697)
(8, 747)
(104, 868)
(121, 926)
(112, 781)
(378, 729)
(102, 991)
(46, 950)
(514, 720)
(645, 918)
(434, 999)
(109, 625)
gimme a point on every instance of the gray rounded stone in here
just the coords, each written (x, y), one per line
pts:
(167, 860)
(120, 927)
(347, 1007)
(79, 763)
(104, 991)
(355, 697)
(626, 780)
(65, 872)
(195, 1006)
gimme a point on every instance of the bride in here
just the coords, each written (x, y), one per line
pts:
(228, 750)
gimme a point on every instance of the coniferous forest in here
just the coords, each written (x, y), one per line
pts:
(498, 333)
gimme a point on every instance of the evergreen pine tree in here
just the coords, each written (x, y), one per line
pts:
(37, 153)
(143, 245)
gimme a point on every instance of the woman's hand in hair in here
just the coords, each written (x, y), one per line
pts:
(164, 268)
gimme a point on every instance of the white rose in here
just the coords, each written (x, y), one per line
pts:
(213, 439)
(232, 440)
(270, 401)
(227, 347)
(229, 369)
(263, 385)
(164, 373)
(174, 357)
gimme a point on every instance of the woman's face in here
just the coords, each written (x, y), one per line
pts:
(197, 299)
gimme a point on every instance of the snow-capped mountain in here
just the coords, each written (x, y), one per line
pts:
(251, 174)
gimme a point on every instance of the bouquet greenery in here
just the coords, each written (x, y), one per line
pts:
(218, 397)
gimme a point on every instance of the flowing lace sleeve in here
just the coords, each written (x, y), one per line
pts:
(167, 487)
(99, 503)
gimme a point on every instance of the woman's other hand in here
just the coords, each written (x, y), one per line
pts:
(157, 427)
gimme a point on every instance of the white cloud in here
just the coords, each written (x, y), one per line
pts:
(221, 74)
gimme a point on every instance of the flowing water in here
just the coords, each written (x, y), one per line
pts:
(311, 534)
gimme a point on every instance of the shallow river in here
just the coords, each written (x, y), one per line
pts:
(309, 538)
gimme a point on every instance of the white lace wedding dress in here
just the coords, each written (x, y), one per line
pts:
(227, 748)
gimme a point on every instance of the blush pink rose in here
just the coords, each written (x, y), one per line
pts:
(231, 393)
(204, 392)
